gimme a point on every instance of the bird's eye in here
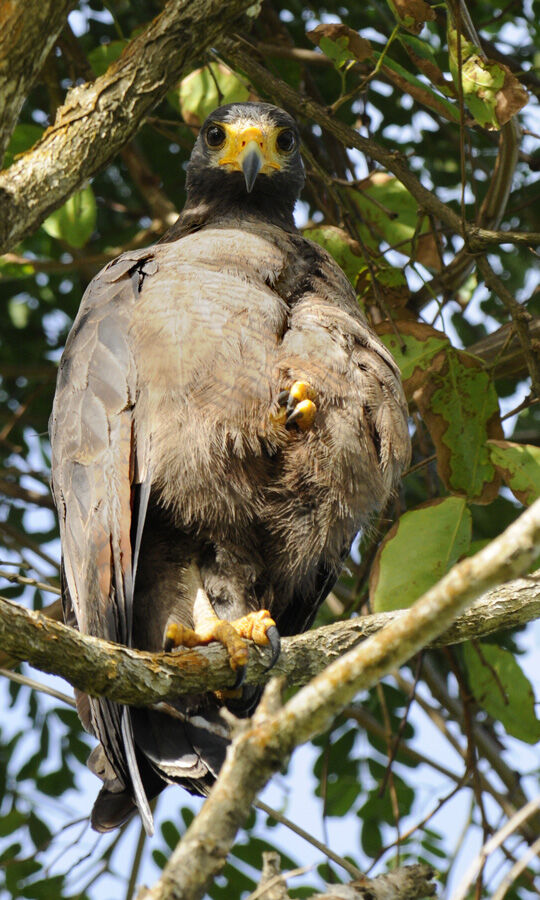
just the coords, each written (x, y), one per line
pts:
(215, 136)
(286, 140)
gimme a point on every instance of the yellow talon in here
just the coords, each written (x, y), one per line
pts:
(303, 415)
(300, 390)
(296, 406)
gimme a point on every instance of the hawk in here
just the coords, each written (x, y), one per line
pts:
(225, 421)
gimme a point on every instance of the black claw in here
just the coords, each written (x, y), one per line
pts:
(168, 645)
(283, 398)
(275, 645)
(240, 676)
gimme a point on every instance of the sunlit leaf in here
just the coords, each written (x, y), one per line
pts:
(519, 466)
(206, 88)
(24, 137)
(421, 547)
(490, 90)
(101, 57)
(413, 345)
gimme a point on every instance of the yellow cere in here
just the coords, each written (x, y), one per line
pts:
(240, 141)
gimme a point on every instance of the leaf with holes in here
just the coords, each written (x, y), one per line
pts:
(499, 684)
(421, 547)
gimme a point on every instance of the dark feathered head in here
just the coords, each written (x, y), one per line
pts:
(246, 159)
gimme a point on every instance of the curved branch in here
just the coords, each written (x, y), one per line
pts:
(100, 117)
(263, 743)
(101, 668)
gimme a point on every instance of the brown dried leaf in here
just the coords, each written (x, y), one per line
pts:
(412, 14)
(360, 48)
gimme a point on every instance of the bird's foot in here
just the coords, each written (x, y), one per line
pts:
(296, 406)
(256, 626)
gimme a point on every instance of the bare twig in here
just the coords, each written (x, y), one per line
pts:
(494, 842)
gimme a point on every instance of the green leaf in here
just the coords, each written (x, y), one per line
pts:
(45, 888)
(390, 213)
(159, 858)
(101, 57)
(413, 346)
(459, 405)
(421, 547)
(346, 252)
(75, 221)
(519, 466)
(170, 834)
(9, 823)
(39, 831)
(24, 137)
(500, 686)
(204, 89)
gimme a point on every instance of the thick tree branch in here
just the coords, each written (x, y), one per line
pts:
(263, 743)
(100, 117)
(28, 31)
(129, 676)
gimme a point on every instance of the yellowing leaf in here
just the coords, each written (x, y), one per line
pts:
(75, 221)
(490, 90)
(421, 547)
(500, 686)
(205, 89)
(519, 466)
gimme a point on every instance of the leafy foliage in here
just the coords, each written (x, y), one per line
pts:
(398, 73)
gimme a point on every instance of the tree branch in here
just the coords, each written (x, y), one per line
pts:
(263, 743)
(129, 676)
(100, 117)
(29, 30)
(476, 238)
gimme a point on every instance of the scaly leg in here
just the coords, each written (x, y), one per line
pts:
(256, 626)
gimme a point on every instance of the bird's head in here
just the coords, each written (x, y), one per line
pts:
(246, 159)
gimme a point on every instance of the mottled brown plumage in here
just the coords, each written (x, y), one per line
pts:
(175, 474)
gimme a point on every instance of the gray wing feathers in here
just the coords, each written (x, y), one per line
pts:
(93, 460)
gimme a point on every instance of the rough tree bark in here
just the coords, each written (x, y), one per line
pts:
(28, 30)
(130, 676)
(101, 116)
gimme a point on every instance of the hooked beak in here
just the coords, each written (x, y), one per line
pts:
(247, 150)
(252, 163)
